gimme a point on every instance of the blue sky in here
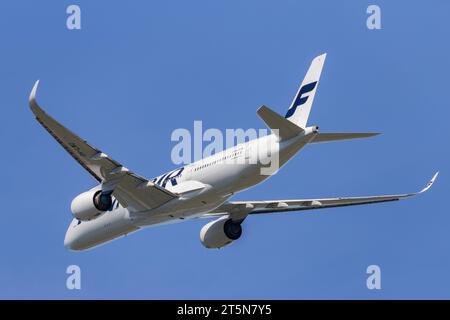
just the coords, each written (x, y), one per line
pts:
(137, 71)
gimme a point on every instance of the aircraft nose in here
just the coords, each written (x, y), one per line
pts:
(73, 239)
(68, 240)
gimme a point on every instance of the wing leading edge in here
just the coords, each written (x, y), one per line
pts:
(240, 209)
(130, 189)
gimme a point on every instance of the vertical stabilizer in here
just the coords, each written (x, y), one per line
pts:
(300, 108)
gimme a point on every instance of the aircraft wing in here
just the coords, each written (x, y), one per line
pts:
(238, 210)
(130, 189)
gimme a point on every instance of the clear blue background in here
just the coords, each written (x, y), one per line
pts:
(138, 70)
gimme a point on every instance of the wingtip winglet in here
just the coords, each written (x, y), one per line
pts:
(32, 100)
(33, 92)
(430, 183)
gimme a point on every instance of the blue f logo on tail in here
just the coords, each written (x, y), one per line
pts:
(299, 100)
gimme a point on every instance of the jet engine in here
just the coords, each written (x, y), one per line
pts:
(220, 232)
(90, 204)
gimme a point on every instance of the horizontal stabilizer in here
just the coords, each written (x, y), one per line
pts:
(337, 136)
(279, 125)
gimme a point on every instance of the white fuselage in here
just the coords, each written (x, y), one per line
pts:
(220, 176)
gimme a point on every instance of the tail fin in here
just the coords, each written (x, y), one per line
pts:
(298, 112)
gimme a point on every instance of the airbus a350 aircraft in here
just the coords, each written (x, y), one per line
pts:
(124, 202)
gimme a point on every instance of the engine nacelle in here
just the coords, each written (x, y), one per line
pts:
(220, 232)
(90, 204)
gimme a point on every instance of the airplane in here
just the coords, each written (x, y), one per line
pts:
(123, 202)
